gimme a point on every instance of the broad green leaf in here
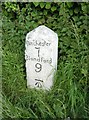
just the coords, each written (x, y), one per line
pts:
(36, 4)
(79, 23)
(64, 30)
(53, 8)
(76, 10)
(42, 5)
(84, 71)
(48, 5)
(45, 12)
(84, 8)
(61, 12)
(69, 4)
(71, 12)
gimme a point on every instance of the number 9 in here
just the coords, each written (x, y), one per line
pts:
(39, 67)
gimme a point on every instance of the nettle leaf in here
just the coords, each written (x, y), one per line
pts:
(42, 5)
(53, 8)
(48, 5)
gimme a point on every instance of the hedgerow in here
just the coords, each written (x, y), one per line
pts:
(69, 94)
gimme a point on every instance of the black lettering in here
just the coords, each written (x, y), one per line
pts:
(38, 67)
(38, 50)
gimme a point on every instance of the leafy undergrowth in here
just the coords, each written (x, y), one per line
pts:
(69, 95)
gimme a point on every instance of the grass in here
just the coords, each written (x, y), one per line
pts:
(69, 94)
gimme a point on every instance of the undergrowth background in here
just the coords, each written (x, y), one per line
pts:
(69, 96)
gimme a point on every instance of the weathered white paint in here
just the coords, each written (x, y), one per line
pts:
(41, 57)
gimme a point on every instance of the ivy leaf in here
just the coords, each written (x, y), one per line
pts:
(48, 5)
(42, 5)
(33, 14)
(53, 8)
(84, 8)
(71, 12)
(69, 4)
(36, 4)
(76, 10)
(45, 12)
(61, 12)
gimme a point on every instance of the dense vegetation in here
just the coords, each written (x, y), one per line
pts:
(70, 93)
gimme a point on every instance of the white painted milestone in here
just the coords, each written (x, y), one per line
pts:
(41, 57)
